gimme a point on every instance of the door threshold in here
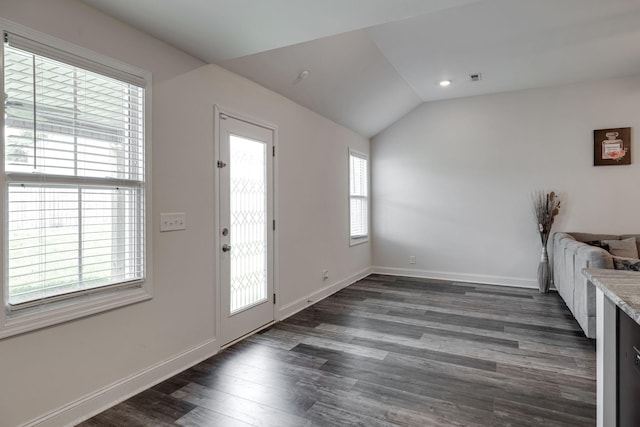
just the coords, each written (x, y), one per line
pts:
(265, 326)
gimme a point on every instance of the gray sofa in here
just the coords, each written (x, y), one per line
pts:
(571, 255)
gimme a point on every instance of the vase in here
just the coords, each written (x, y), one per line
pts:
(544, 279)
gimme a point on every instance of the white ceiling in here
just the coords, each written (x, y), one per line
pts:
(372, 61)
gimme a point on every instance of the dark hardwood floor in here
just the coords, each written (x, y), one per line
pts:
(390, 351)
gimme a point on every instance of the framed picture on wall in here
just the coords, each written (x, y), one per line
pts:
(612, 147)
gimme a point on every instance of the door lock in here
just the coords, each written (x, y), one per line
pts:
(226, 248)
(225, 231)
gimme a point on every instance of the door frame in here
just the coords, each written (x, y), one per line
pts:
(217, 111)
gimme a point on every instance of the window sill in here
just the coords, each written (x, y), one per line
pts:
(355, 241)
(48, 315)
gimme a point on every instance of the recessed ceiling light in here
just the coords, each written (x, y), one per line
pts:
(445, 83)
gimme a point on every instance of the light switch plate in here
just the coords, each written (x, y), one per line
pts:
(173, 221)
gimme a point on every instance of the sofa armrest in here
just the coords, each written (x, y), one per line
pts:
(584, 298)
(570, 257)
(563, 253)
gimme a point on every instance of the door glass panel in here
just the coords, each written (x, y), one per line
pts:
(248, 217)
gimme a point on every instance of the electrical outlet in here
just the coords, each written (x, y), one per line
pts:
(412, 259)
(325, 274)
(173, 221)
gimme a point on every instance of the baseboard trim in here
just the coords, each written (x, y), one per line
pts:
(302, 303)
(102, 399)
(458, 277)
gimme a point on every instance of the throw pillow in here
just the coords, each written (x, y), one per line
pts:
(598, 244)
(629, 264)
(625, 248)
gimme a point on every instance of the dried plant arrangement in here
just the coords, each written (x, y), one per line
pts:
(546, 206)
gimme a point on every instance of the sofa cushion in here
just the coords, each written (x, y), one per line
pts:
(598, 244)
(590, 237)
(635, 236)
(624, 248)
(629, 264)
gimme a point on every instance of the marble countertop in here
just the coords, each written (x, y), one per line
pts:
(621, 287)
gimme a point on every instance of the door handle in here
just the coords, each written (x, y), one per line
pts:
(226, 248)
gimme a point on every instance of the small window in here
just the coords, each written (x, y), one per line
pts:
(74, 178)
(358, 198)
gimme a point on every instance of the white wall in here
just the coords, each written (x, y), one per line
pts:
(49, 372)
(312, 175)
(452, 180)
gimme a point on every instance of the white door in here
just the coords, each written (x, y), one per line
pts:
(245, 170)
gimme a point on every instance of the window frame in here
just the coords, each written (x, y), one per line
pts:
(99, 299)
(358, 239)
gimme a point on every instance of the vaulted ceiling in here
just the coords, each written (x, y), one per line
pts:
(366, 63)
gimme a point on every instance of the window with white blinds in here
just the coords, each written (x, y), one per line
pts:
(358, 197)
(74, 164)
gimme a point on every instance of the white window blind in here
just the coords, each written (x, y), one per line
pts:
(358, 195)
(75, 175)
